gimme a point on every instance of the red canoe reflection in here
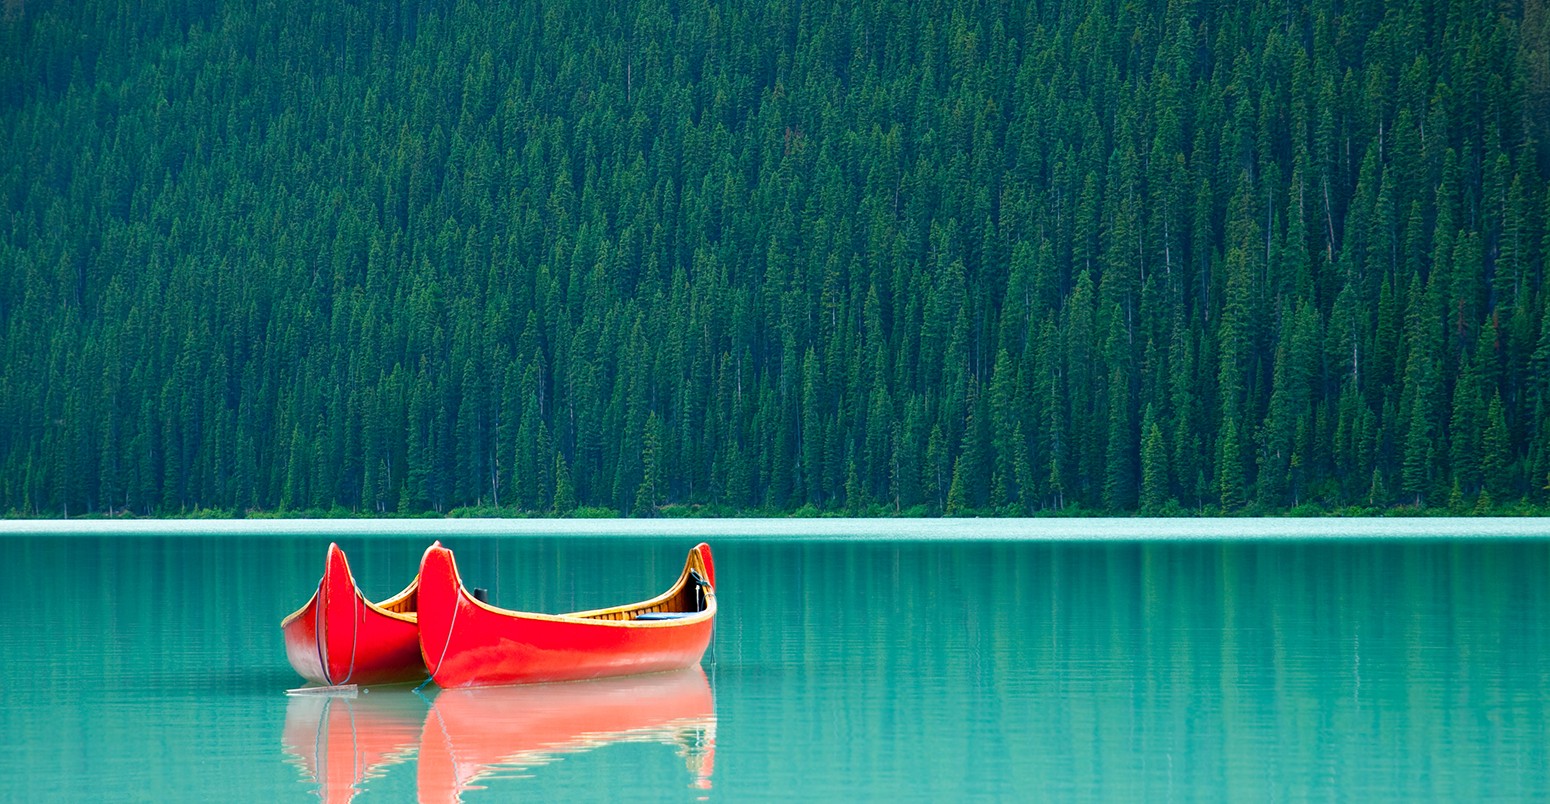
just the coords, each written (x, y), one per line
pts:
(340, 743)
(473, 733)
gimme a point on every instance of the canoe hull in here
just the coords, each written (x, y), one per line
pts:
(465, 642)
(340, 637)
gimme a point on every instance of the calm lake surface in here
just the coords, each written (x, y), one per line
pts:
(1057, 659)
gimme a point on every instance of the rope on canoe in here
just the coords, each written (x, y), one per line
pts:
(319, 636)
(355, 636)
(444, 645)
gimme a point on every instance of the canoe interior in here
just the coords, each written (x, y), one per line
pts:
(689, 595)
(404, 602)
(687, 599)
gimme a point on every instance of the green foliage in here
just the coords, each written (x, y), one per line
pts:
(564, 494)
(1496, 460)
(480, 258)
(1154, 466)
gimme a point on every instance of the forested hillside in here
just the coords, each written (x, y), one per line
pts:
(868, 255)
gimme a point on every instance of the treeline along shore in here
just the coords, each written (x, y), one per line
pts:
(880, 256)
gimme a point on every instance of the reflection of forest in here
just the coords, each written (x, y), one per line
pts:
(1268, 670)
(470, 735)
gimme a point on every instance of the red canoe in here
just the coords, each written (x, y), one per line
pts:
(472, 734)
(340, 637)
(469, 643)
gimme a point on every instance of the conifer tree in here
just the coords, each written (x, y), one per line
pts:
(1154, 465)
(648, 494)
(957, 493)
(1231, 483)
(1496, 453)
(564, 494)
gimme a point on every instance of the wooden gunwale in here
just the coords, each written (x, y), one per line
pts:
(608, 616)
(387, 608)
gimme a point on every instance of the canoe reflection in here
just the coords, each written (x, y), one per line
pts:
(471, 734)
(475, 733)
(340, 743)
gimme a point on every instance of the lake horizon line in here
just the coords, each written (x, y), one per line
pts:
(1117, 529)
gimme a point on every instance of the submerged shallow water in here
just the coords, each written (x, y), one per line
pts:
(151, 667)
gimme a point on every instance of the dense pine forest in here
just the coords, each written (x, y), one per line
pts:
(857, 256)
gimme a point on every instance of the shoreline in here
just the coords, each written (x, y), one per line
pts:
(1115, 529)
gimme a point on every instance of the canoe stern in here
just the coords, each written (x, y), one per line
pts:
(339, 637)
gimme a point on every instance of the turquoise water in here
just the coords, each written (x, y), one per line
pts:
(149, 666)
